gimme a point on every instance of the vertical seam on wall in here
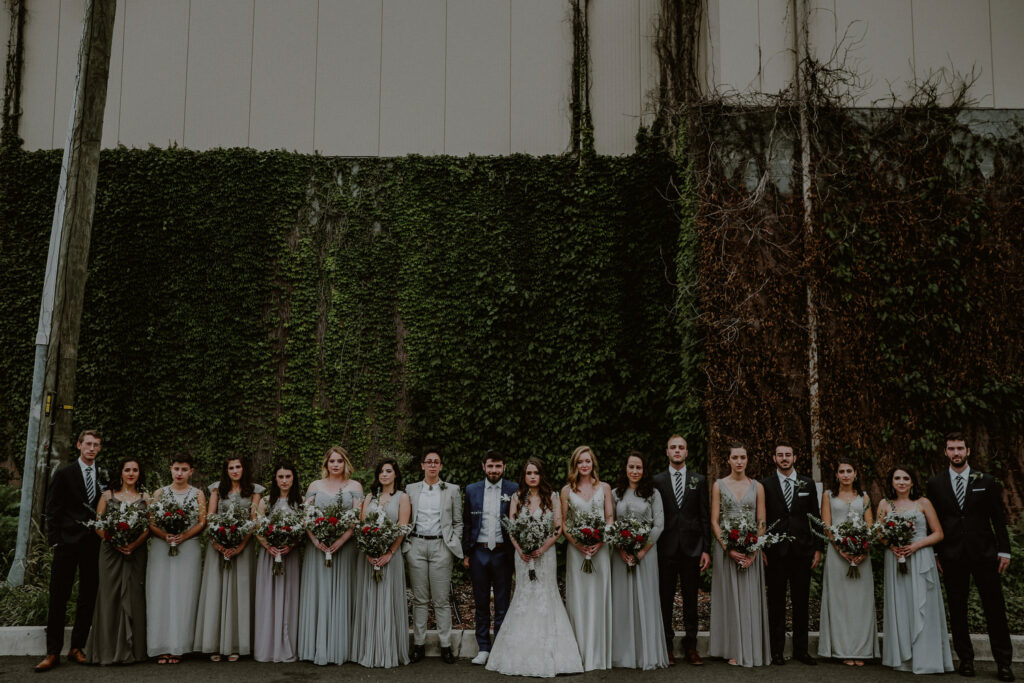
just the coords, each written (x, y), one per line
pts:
(444, 87)
(380, 75)
(188, 42)
(760, 66)
(639, 66)
(316, 66)
(992, 53)
(56, 71)
(509, 77)
(252, 58)
(120, 91)
(913, 47)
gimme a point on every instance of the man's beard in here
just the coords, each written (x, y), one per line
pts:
(493, 478)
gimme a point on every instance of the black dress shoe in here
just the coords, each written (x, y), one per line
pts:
(417, 654)
(1005, 673)
(805, 658)
(446, 655)
(966, 668)
(778, 660)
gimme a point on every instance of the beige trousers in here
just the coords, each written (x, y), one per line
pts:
(430, 573)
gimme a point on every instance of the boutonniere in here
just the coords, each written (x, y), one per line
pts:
(799, 485)
(442, 486)
(975, 476)
(692, 484)
(505, 498)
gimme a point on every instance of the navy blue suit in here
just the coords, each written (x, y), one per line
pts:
(491, 570)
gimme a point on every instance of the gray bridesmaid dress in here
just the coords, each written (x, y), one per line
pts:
(848, 629)
(380, 626)
(326, 596)
(224, 621)
(277, 609)
(739, 609)
(914, 631)
(588, 597)
(638, 640)
(118, 634)
(172, 587)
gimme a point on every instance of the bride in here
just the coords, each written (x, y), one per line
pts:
(532, 640)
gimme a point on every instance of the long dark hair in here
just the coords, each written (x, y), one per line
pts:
(224, 486)
(890, 491)
(116, 484)
(294, 497)
(856, 478)
(644, 487)
(376, 487)
(544, 489)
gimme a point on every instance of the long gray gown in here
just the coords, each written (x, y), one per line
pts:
(848, 628)
(277, 606)
(914, 631)
(380, 626)
(739, 609)
(638, 640)
(118, 634)
(326, 596)
(588, 597)
(172, 590)
(224, 620)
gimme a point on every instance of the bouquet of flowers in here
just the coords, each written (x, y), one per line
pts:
(120, 523)
(851, 536)
(173, 519)
(375, 536)
(229, 526)
(587, 528)
(740, 533)
(329, 523)
(530, 533)
(630, 533)
(282, 527)
(899, 531)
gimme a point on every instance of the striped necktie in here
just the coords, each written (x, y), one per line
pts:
(90, 487)
(788, 493)
(960, 491)
(678, 488)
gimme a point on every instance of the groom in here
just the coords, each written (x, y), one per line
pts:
(975, 543)
(485, 544)
(436, 537)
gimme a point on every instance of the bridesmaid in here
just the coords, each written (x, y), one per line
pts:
(848, 630)
(380, 633)
(277, 610)
(739, 610)
(325, 593)
(914, 618)
(172, 582)
(638, 634)
(224, 622)
(588, 597)
(118, 634)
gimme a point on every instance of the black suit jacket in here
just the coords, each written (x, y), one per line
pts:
(977, 531)
(687, 529)
(67, 506)
(795, 521)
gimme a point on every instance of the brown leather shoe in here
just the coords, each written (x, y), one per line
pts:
(76, 655)
(693, 658)
(49, 662)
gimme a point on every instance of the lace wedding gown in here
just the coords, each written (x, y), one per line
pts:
(536, 638)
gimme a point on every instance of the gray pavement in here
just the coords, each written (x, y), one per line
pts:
(433, 670)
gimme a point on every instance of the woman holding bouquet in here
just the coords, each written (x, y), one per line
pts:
(638, 634)
(277, 610)
(224, 623)
(118, 634)
(848, 630)
(588, 571)
(326, 592)
(739, 610)
(914, 619)
(173, 572)
(380, 633)
(532, 640)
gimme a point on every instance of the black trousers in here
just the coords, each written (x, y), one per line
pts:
(957, 577)
(68, 558)
(686, 570)
(793, 572)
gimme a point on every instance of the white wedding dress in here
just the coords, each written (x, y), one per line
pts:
(536, 638)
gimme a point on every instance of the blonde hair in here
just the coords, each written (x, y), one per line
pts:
(346, 471)
(574, 473)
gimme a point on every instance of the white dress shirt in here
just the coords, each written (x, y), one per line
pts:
(428, 510)
(490, 520)
(966, 474)
(95, 477)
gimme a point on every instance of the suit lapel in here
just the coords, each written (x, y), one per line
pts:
(968, 485)
(670, 476)
(446, 512)
(414, 499)
(79, 478)
(947, 487)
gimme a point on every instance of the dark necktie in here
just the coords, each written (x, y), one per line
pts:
(90, 487)
(960, 491)
(787, 491)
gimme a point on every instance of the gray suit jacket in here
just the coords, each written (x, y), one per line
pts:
(451, 515)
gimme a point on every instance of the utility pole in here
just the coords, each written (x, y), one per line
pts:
(49, 436)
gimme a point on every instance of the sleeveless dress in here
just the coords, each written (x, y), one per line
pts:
(118, 634)
(638, 640)
(915, 637)
(380, 626)
(224, 621)
(172, 590)
(326, 596)
(588, 597)
(277, 609)
(739, 609)
(847, 628)
(536, 637)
